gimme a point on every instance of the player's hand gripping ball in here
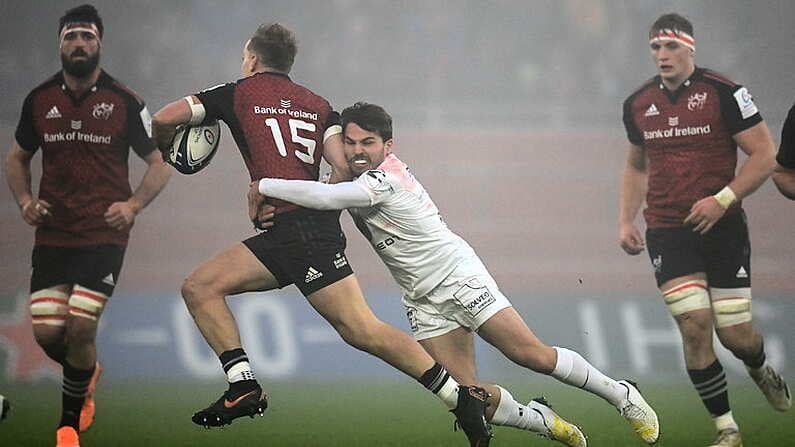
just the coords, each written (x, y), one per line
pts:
(193, 147)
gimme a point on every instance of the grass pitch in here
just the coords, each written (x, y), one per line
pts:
(380, 414)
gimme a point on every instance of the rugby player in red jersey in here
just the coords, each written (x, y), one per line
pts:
(684, 127)
(85, 122)
(282, 130)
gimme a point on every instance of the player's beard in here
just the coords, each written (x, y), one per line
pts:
(80, 68)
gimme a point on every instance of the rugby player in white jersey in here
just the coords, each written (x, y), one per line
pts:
(448, 293)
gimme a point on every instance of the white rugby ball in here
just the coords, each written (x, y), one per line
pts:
(194, 146)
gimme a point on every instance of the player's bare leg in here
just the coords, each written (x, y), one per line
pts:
(456, 350)
(747, 345)
(508, 332)
(696, 326)
(344, 307)
(232, 271)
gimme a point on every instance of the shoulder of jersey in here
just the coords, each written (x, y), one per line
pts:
(52, 80)
(714, 76)
(374, 177)
(648, 83)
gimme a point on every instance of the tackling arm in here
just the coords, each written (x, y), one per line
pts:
(316, 195)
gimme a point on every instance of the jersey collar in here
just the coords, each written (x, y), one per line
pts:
(102, 80)
(673, 95)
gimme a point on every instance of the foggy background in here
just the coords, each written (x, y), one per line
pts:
(509, 112)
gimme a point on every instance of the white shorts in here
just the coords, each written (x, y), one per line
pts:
(467, 297)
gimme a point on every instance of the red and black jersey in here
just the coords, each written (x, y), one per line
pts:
(786, 152)
(278, 126)
(85, 143)
(687, 137)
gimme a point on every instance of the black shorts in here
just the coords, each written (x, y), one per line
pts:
(95, 267)
(724, 253)
(304, 247)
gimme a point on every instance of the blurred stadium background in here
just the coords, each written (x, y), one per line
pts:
(508, 111)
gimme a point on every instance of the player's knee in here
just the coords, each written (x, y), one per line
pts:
(197, 288)
(696, 329)
(50, 338)
(362, 335)
(731, 307)
(741, 340)
(80, 331)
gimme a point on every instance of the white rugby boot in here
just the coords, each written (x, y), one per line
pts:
(773, 386)
(728, 438)
(639, 413)
(556, 427)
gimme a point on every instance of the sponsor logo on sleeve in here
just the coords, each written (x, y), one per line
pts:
(146, 119)
(746, 103)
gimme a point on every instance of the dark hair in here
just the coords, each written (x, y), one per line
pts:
(671, 21)
(275, 46)
(82, 14)
(369, 117)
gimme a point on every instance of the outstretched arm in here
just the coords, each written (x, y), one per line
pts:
(316, 195)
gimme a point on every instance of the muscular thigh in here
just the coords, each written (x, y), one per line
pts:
(233, 270)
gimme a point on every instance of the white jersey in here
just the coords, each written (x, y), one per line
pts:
(405, 228)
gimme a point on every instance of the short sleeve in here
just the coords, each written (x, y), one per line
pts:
(139, 128)
(633, 134)
(26, 135)
(738, 109)
(218, 102)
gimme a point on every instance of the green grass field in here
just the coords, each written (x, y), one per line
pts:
(380, 414)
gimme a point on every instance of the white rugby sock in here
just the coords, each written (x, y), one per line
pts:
(240, 371)
(572, 369)
(510, 413)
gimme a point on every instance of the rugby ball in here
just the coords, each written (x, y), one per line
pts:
(193, 147)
